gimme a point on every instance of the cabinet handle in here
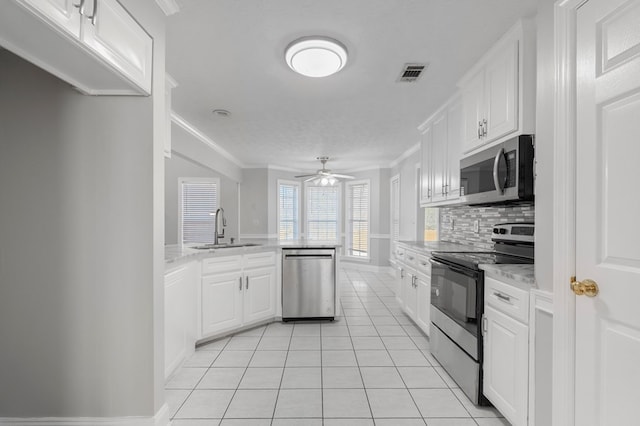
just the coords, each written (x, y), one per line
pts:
(479, 129)
(240, 281)
(484, 326)
(484, 127)
(410, 257)
(502, 297)
(401, 273)
(92, 18)
(80, 7)
(247, 286)
(423, 263)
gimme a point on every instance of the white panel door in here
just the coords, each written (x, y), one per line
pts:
(260, 294)
(221, 302)
(116, 37)
(506, 365)
(501, 93)
(608, 209)
(62, 13)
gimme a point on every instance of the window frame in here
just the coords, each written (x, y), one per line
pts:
(280, 182)
(308, 185)
(181, 182)
(349, 221)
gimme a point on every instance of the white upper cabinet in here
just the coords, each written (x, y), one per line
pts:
(498, 93)
(440, 169)
(94, 45)
(62, 13)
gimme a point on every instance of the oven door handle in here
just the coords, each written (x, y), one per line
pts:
(453, 268)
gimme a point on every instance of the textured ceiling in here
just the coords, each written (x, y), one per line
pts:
(229, 54)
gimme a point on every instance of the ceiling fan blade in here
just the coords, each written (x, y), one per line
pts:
(313, 177)
(301, 176)
(342, 176)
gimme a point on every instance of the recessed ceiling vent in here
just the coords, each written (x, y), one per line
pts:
(411, 72)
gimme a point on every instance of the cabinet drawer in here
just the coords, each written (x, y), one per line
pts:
(411, 259)
(423, 265)
(254, 260)
(400, 253)
(508, 299)
(213, 265)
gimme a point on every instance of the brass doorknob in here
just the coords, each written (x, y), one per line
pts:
(584, 287)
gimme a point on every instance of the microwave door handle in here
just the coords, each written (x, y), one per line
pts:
(496, 166)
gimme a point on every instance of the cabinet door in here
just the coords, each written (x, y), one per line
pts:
(501, 92)
(423, 314)
(506, 363)
(411, 301)
(454, 150)
(439, 157)
(117, 38)
(400, 285)
(221, 302)
(426, 184)
(62, 13)
(179, 316)
(260, 294)
(473, 110)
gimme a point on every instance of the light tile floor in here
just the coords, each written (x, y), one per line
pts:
(370, 367)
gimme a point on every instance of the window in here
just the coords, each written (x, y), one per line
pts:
(288, 210)
(322, 212)
(431, 222)
(358, 219)
(198, 204)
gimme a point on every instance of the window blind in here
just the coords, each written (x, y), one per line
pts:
(322, 213)
(199, 203)
(358, 237)
(288, 226)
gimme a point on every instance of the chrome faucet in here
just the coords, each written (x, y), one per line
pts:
(216, 234)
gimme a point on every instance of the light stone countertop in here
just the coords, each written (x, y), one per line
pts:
(520, 275)
(176, 253)
(428, 247)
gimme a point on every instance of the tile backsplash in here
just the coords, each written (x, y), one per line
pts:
(464, 220)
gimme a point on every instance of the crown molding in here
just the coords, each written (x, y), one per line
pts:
(191, 129)
(408, 153)
(169, 7)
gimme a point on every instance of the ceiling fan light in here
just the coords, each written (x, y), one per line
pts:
(316, 56)
(332, 181)
(324, 181)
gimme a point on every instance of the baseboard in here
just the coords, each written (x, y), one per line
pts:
(161, 418)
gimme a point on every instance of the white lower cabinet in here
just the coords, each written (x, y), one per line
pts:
(413, 293)
(506, 350)
(222, 299)
(237, 291)
(180, 321)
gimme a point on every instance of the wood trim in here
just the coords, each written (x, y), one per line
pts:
(564, 211)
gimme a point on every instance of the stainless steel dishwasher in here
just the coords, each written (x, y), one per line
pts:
(308, 283)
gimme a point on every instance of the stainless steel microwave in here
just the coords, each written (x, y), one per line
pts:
(500, 174)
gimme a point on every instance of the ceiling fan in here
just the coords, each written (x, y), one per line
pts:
(324, 176)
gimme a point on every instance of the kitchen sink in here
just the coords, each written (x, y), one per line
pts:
(224, 245)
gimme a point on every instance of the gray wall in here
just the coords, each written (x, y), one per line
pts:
(544, 145)
(254, 203)
(178, 167)
(79, 245)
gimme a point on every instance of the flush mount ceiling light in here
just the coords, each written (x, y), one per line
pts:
(316, 56)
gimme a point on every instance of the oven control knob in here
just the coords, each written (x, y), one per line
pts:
(495, 230)
(503, 231)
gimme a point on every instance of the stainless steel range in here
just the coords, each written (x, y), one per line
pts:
(457, 303)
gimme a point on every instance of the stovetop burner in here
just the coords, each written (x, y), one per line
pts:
(471, 260)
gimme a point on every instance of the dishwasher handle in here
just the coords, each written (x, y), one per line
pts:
(308, 256)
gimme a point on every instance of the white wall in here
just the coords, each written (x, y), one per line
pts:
(81, 242)
(409, 204)
(178, 167)
(254, 203)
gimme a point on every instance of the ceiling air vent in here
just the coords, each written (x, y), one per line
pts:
(411, 72)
